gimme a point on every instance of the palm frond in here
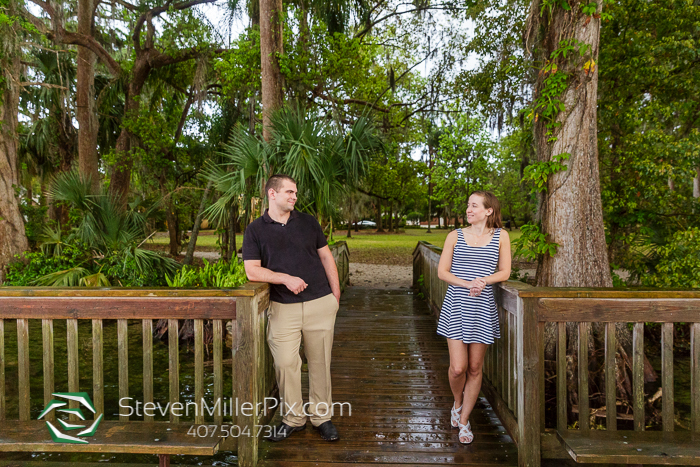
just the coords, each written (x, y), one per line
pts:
(66, 278)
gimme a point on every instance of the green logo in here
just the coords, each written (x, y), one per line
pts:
(84, 400)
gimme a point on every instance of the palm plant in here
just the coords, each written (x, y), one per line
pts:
(108, 237)
(325, 162)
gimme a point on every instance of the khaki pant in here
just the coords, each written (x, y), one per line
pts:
(314, 320)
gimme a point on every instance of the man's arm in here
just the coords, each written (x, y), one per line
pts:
(257, 273)
(331, 270)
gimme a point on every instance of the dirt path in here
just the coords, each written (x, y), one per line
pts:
(380, 276)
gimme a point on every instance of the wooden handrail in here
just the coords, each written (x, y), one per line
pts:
(514, 365)
(249, 289)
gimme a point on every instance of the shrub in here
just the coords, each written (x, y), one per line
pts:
(678, 262)
(222, 274)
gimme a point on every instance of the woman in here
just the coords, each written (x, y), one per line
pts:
(473, 259)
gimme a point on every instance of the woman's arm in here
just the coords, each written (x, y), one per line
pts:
(503, 269)
(445, 264)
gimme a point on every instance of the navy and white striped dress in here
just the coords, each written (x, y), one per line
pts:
(465, 318)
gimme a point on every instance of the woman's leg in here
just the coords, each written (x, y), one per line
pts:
(476, 354)
(457, 373)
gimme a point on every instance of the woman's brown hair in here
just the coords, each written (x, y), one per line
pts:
(491, 202)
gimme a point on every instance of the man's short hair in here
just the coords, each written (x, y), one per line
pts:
(276, 181)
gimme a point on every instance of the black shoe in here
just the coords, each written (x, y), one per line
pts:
(283, 431)
(328, 431)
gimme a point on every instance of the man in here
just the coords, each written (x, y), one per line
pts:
(287, 248)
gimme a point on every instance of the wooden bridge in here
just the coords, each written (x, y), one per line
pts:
(391, 366)
(388, 364)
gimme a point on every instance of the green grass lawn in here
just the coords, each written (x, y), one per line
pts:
(369, 247)
(366, 246)
(206, 240)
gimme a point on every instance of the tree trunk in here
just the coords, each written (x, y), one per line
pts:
(379, 216)
(233, 222)
(85, 97)
(170, 218)
(571, 210)
(223, 244)
(120, 172)
(696, 183)
(271, 47)
(431, 153)
(195, 228)
(13, 239)
(391, 216)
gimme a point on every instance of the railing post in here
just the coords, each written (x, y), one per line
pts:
(528, 366)
(247, 352)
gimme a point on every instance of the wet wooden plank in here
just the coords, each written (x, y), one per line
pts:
(583, 401)
(667, 376)
(147, 339)
(218, 367)
(617, 310)
(2, 370)
(174, 366)
(48, 361)
(246, 374)
(111, 437)
(562, 393)
(610, 377)
(695, 377)
(117, 307)
(507, 297)
(540, 353)
(529, 385)
(506, 416)
(123, 355)
(73, 363)
(638, 375)
(98, 395)
(199, 369)
(495, 456)
(23, 368)
(633, 447)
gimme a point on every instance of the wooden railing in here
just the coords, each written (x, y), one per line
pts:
(239, 312)
(341, 254)
(514, 367)
(242, 308)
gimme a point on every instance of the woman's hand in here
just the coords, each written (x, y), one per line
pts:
(477, 283)
(476, 286)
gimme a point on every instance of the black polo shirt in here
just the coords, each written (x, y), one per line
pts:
(290, 248)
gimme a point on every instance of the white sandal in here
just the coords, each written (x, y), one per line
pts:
(465, 431)
(454, 420)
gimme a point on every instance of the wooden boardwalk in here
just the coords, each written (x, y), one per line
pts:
(389, 363)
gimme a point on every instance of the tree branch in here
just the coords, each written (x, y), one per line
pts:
(372, 24)
(43, 85)
(152, 13)
(348, 101)
(127, 5)
(60, 35)
(369, 193)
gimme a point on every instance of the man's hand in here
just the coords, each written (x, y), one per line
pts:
(336, 294)
(295, 284)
